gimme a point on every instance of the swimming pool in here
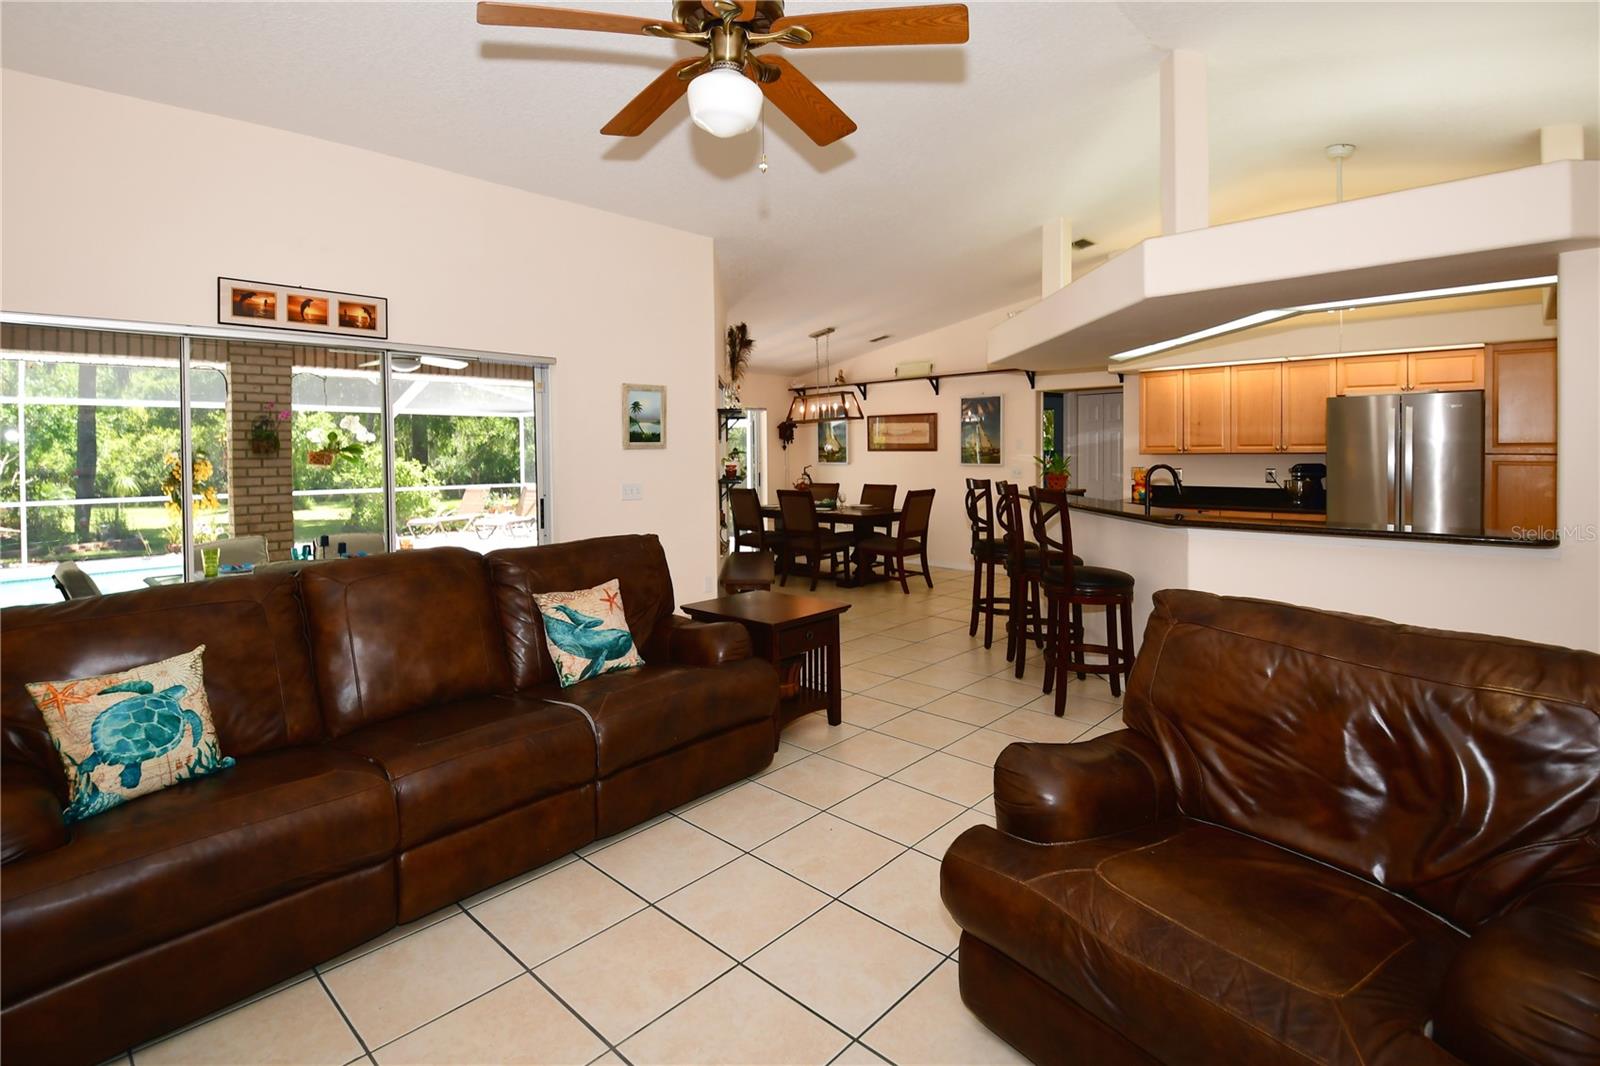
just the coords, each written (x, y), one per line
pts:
(32, 584)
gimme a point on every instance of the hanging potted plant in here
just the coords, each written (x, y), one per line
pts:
(1055, 471)
(264, 439)
(330, 445)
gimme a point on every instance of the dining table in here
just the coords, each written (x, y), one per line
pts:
(857, 517)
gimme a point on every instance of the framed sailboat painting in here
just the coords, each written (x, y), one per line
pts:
(833, 441)
(980, 430)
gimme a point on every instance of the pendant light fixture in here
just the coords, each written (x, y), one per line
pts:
(831, 405)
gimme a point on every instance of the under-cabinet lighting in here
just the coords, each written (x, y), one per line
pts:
(1263, 317)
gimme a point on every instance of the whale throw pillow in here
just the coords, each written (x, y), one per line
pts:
(124, 735)
(587, 633)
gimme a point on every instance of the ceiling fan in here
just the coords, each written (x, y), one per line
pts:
(726, 85)
(410, 364)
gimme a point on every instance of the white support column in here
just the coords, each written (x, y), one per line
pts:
(1578, 442)
(1185, 148)
(1560, 142)
(1056, 256)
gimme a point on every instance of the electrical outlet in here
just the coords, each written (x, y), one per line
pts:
(632, 491)
(1272, 475)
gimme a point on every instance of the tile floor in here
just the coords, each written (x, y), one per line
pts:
(791, 918)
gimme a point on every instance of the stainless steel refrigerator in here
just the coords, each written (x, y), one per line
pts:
(1410, 461)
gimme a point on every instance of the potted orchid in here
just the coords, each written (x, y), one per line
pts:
(333, 444)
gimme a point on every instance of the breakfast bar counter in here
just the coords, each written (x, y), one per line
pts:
(1306, 523)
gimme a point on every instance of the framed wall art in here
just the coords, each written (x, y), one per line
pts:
(256, 303)
(833, 441)
(980, 430)
(644, 416)
(903, 433)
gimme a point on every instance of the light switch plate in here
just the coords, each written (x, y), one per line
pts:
(632, 491)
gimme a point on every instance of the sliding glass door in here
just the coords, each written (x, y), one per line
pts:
(278, 449)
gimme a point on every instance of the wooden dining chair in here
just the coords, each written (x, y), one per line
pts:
(804, 536)
(749, 528)
(1069, 585)
(824, 490)
(910, 539)
(988, 552)
(876, 496)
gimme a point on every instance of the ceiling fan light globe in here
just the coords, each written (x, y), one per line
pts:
(724, 102)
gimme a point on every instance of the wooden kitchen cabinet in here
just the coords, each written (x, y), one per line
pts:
(1205, 409)
(1520, 397)
(1519, 494)
(1308, 384)
(1161, 412)
(1255, 407)
(1448, 371)
(1366, 374)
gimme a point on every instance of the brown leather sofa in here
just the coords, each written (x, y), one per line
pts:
(401, 744)
(1319, 839)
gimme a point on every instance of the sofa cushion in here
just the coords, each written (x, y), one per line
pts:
(640, 714)
(257, 665)
(586, 632)
(637, 562)
(463, 762)
(396, 633)
(190, 855)
(128, 734)
(1187, 936)
(1457, 769)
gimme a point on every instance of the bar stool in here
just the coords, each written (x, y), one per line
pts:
(1024, 620)
(988, 551)
(1067, 583)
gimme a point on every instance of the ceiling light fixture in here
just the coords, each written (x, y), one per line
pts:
(724, 102)
(830, 406)
(1263, 317)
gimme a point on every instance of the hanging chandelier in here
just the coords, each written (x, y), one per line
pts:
(819, 403)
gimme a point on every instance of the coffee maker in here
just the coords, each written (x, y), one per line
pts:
(1307, 487)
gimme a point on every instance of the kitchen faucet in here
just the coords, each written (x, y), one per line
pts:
(1177, 483)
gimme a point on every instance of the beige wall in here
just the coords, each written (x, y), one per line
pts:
(121, 208)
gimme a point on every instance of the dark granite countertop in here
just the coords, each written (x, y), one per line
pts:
(1228, 498)
(1307, 527)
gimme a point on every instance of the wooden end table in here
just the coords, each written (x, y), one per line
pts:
(784, 627)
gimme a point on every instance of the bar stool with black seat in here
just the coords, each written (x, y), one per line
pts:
(749, 528)
(1067, 583)
(988, 552)
(911, 539)
(804, 536)
(876, 496)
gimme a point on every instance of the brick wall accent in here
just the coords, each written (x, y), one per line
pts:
(260, 485)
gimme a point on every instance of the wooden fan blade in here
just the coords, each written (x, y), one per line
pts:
(806, 105)
(747, 9)
(932, 24)
(651, 104)
(561, 18)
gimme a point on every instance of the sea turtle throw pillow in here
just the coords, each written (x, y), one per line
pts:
(128, 734)
(587, 633)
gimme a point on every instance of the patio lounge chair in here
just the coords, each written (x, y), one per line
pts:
(74, 582)
(522, 520)
(469, 508)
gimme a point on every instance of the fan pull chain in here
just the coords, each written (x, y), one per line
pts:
(762, 164)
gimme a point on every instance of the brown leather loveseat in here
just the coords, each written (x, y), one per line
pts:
(400, 741)
(1320, 839)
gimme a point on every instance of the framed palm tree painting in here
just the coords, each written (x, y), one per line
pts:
(644, 416)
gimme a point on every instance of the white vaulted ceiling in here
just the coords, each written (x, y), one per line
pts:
(929, 213)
